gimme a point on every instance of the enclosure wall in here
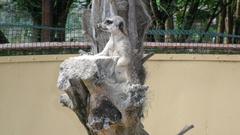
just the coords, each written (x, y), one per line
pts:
(203, 90)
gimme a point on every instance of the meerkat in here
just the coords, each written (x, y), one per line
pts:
(118, 45)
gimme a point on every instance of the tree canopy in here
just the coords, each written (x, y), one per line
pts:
(220, 16)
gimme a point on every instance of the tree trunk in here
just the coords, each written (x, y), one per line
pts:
(191, 14)
(47, 15)
(184, 11)
(169, 25)
(3, 39)
(215, 14)
(160, 16)
(189, 18)
(230, 23)
(60, 34)
(159, 25)
(36, 36)
(237, 22)
(61, 10)
(104, 105)
(221, 22)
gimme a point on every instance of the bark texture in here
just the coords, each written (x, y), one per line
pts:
(104, 105)
(46, 20)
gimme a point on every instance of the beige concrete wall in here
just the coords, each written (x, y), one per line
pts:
(203, 90)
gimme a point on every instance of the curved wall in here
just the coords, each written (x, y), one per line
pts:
(203, 90)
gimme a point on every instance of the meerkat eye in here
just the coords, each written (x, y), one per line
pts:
(109, 22)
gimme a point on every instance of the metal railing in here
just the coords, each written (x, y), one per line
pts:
(26, 39)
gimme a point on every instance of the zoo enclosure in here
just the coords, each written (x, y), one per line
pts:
(20, 34)
(22, 37)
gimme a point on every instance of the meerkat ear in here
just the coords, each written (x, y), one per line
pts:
(122, 28)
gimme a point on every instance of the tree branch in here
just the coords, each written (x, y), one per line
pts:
(147, 56)
(214, 15)
(185, 129)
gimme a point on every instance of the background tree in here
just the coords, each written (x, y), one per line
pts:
(33, 7)
(202, 15)
(50, 13)
(161, 11)
(237, 20)
(220, 16)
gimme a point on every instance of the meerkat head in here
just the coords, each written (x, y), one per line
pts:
(113, 25)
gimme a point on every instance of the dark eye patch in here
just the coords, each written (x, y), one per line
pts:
(108, 22)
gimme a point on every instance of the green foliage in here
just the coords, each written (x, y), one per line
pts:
(31, 6)
(34, 7)
(158, 2)
(179, 8)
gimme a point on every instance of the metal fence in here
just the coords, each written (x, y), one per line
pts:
(24, 37)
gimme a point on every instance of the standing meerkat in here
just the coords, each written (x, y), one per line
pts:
(118, 45)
